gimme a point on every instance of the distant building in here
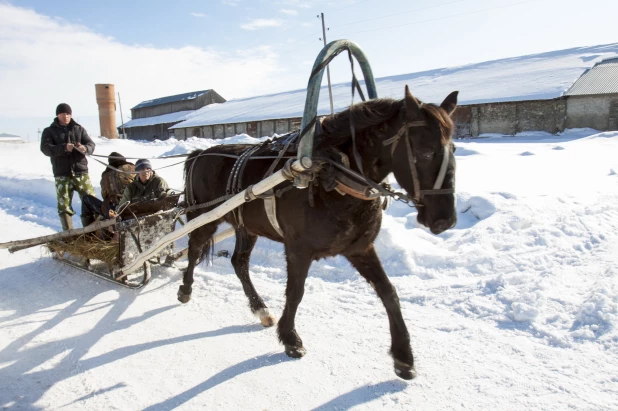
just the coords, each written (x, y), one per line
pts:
(592, 101)
(550, 92)
(151, 119)
(10, 138)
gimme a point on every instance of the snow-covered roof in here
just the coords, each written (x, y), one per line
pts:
(169, 99)
(10, 138)
(533, 77)
(162, 119)
(601, 79)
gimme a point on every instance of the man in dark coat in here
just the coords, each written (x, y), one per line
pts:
(147, 185)
(67, 143)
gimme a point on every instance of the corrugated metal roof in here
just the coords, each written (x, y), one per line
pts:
(170, 99)
(600, 79)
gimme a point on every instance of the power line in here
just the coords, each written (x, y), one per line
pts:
(446, 17)
(400, 13)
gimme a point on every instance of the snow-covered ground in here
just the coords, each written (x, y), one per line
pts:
(515, 308)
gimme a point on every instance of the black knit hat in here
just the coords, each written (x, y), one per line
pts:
(142, 164)
(63, 108)
(118, 160)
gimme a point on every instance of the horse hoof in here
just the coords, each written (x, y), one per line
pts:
(268, 321)
(295, 352)
(266, 318)
(183, 298)
(404, 371)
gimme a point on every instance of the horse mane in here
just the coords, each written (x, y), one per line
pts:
(373, 112)
(364, 115)
(442, 119)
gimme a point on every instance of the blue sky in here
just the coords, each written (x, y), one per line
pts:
(243, 48)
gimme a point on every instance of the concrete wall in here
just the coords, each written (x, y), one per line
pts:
(262, 128)
(599, 112)
(179, 133)
(219, 131)
(150, 133)
(267, 128)
(282, 126)
(514, 117)
(552, 116)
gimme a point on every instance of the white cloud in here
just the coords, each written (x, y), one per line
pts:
(261, 23)
(45, 61)
(199, 14)
(288, 12)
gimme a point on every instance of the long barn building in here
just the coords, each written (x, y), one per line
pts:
(152, 119)
(549, 92)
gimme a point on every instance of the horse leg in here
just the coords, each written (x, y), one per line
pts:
(369, 266)
(199, 244)
(298, 267)
(240, 262)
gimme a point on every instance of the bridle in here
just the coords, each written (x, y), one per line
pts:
(418, 194)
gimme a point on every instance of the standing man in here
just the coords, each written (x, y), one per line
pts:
(67, 143)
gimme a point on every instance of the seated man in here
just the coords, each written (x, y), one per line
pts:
(146, 186)
(116, 177)
(113, 183)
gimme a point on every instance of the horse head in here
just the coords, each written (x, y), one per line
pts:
(423, 159)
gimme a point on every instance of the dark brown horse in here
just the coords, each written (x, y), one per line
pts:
(405, 137)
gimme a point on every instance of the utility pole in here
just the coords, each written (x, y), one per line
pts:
(330, 91)
(121, 119)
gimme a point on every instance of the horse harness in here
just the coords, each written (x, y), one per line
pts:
(340, 178)
(411, 154)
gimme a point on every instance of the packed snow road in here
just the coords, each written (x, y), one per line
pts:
(514, 308)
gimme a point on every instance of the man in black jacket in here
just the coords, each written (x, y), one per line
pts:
(67, 143)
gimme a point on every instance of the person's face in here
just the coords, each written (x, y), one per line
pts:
(145, 174)
(64, 118)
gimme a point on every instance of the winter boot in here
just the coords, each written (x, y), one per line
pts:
(66, 221)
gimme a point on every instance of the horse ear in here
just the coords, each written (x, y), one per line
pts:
(450, 102)
(413, 109)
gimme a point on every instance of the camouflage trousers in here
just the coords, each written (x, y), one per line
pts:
(66, 186)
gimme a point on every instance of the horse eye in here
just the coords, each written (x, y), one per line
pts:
(426, 155)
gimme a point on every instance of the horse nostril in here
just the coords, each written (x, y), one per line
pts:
(440, 226)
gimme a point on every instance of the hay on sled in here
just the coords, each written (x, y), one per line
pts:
(87, 246)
